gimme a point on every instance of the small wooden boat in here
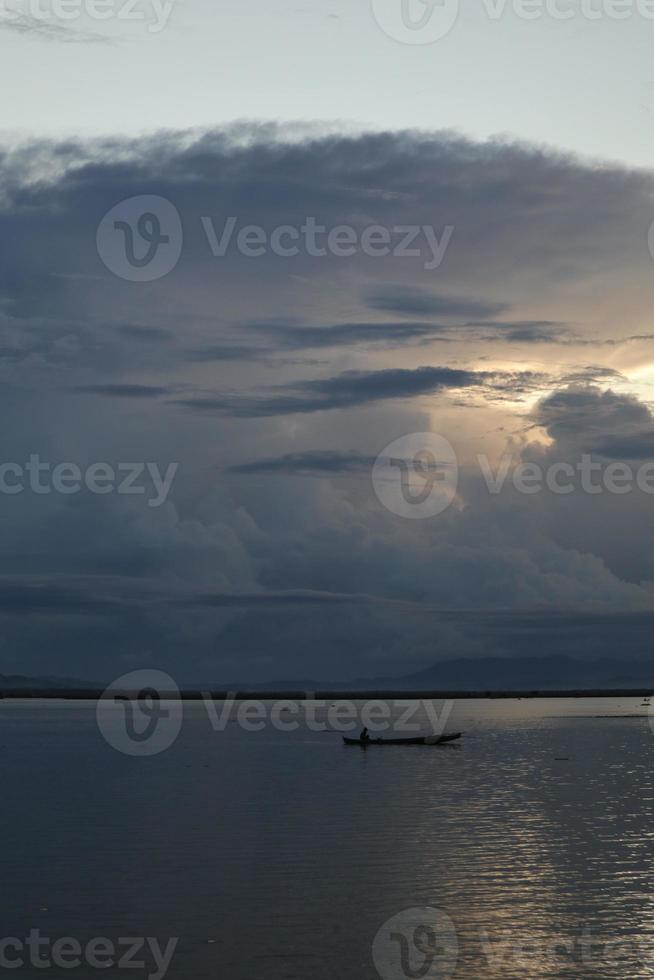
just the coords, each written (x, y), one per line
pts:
(421, 740)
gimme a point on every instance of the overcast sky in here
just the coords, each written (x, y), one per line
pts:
(559, 78)
(486, 278)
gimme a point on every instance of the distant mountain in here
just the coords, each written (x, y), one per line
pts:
(543, 673)
(11, 682)
(462, 674)
(489, 674)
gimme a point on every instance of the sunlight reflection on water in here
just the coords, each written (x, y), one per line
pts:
(533, 834)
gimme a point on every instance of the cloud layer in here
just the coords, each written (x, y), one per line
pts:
(275, 382)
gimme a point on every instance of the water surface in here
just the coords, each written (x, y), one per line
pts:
(281, 854)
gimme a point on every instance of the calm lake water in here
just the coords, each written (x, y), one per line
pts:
(277, 855)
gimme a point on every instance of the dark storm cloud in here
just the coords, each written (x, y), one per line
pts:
(149, 335)
(637, 445)
(272, 600)
(496, 195)
(347, 390)
(590, 374)
(407, 333)
(315, 462)
(226, 352)
(582, 413)
(109, 596)
(413, 301)
(123, 390)
(571, 633)
(299, 337)
(594, 427)
(29, 598)
(237, 577)
(526, 332)
(387, 334)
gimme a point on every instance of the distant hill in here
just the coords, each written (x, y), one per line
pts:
(500, 673)
(489, 674)
(461, 674)
(12, 682)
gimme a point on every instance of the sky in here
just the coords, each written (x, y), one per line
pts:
(325, 343)
(582, 82)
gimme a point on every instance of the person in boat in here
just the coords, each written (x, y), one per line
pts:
(364, 737)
